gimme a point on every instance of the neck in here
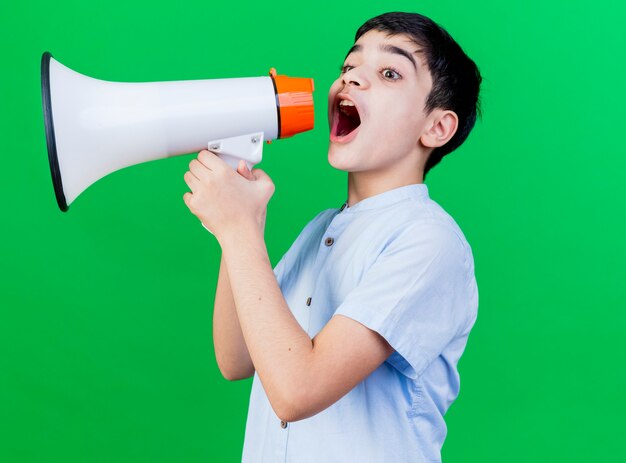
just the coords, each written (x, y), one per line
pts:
(362, 185)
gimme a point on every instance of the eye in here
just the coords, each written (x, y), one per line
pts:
(390, 74)
(345, 68)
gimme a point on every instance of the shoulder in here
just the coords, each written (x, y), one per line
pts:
(426, 224)
(317, 224)
(322, 219)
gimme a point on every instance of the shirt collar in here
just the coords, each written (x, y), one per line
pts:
(415, 191)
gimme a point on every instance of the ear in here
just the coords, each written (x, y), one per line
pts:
(441, 128)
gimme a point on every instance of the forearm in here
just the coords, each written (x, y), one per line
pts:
(301, 376)
(231, 352)
(279, 348)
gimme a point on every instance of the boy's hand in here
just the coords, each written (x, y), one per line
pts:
(225, 200)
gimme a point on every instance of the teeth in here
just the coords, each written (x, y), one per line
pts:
(346, 103)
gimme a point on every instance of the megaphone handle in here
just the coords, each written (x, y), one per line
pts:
(247, 147)
(233, 161)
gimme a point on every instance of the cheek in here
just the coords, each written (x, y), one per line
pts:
(395, 122)
(408, 122)
(394, 134)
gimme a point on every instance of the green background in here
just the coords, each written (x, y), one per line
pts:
(105, 311)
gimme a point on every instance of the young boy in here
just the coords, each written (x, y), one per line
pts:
(356, 335)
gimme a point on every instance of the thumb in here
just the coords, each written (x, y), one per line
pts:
(260, 175)
(264, 181)
(242, 169)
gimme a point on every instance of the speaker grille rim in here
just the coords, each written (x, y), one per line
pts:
(55, 171)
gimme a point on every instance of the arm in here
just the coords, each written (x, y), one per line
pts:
(231, 352)
(301, 376)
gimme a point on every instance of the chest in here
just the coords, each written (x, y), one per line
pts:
(324, 272)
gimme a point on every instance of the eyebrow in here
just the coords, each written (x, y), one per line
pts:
(388, 49)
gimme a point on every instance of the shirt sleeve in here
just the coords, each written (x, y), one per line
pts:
(418, 295)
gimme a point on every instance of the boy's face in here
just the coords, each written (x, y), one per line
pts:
(376, 106)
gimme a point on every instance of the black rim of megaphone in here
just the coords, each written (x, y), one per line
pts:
(50, 140)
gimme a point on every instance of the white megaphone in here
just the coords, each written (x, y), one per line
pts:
(95, 127)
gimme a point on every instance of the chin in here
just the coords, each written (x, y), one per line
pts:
(338, 157)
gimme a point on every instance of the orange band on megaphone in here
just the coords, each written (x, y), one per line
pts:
(294, 98)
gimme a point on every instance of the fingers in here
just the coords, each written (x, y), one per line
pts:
(192, 204)
(199, 170)
(210, 160)
(242, 169)
(192, 181)
(187, 199)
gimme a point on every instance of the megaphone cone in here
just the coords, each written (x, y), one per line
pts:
(95, 127)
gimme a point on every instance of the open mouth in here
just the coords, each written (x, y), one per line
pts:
(346, 120)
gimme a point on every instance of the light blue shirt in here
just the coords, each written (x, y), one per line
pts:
(397, 263)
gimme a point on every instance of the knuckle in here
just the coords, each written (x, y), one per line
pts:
(203, 156)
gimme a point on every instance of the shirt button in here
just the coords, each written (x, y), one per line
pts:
(308, 301)
(283, 424)
(342, 207)
(329, 241)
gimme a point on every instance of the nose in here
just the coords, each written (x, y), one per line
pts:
(353, 77)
